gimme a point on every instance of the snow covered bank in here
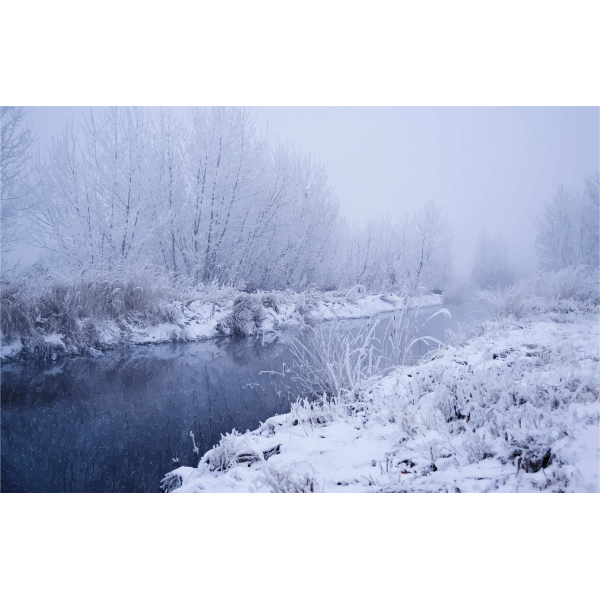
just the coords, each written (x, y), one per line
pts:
(276, 310)
(514, 409)
(231, 313)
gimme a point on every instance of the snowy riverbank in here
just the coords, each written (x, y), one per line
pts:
(278, 311)
(210, 317)
(513, 409)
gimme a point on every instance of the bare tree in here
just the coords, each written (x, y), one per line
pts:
(15, 166)
(425, 254)
(590, 211)
(209, 199)
(567, 229)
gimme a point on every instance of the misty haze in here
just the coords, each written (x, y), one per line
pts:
(300, 299)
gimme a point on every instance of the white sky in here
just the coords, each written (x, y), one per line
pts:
(488, 167)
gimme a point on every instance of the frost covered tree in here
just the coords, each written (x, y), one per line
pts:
(590, 210)
(17, 140)
(409, 255)
(253, 212)
(205, 198)
(66, 215)
(167, 204)
(567, 229)
(96, 198)
(224, 170)
(124, 179)
(425, 256)
(491, 265)
(292, 231)
(208, 200)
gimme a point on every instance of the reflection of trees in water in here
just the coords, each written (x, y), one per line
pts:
(115, 423)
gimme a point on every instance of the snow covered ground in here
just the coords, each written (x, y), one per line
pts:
(513, 409)
(201, 319)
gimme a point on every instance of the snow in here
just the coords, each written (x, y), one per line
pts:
(328, 308)
(198, 320)
(8, 351)
(514, 409)
(54, 339)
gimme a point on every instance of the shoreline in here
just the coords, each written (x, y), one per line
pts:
(202, 320)
(515, 408)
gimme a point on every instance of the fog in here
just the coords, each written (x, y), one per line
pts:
(144, 226)
(487, 167)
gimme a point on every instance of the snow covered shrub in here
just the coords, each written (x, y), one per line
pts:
(306, 304)
(354, 293)
(578, 284)
(328, 287)
(42, 302)
(171, 482)
(284, 482)
(512, 302)
(229, 452)
(313, 413)
(221, 296)
(15, 317)
(269, 301)
(245, 318)
(568, 289)
(249, 287)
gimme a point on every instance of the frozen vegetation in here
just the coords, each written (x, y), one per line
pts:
(150, 228)
(105, 310)
(513, 407)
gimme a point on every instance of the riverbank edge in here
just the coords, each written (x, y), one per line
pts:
(204, 319)
(534, 392)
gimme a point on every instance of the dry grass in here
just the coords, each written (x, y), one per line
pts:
(566, 290)
(41, 302)
(246, 316)
(340, 363)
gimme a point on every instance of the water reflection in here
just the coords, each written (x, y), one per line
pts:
(116, 423)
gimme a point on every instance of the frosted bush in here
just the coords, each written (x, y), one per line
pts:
(229, 452)
(306, 304)
(245, 318)
(41, 302)
(270, 301)
(562, 291)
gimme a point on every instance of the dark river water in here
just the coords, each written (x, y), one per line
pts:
(116, 423)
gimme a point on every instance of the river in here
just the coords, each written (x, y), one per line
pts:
(119, 422)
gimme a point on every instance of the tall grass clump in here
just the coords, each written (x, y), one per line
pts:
(40, 302)
(246, 315)
(332, 361)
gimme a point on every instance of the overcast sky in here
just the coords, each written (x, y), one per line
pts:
(488, 167)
